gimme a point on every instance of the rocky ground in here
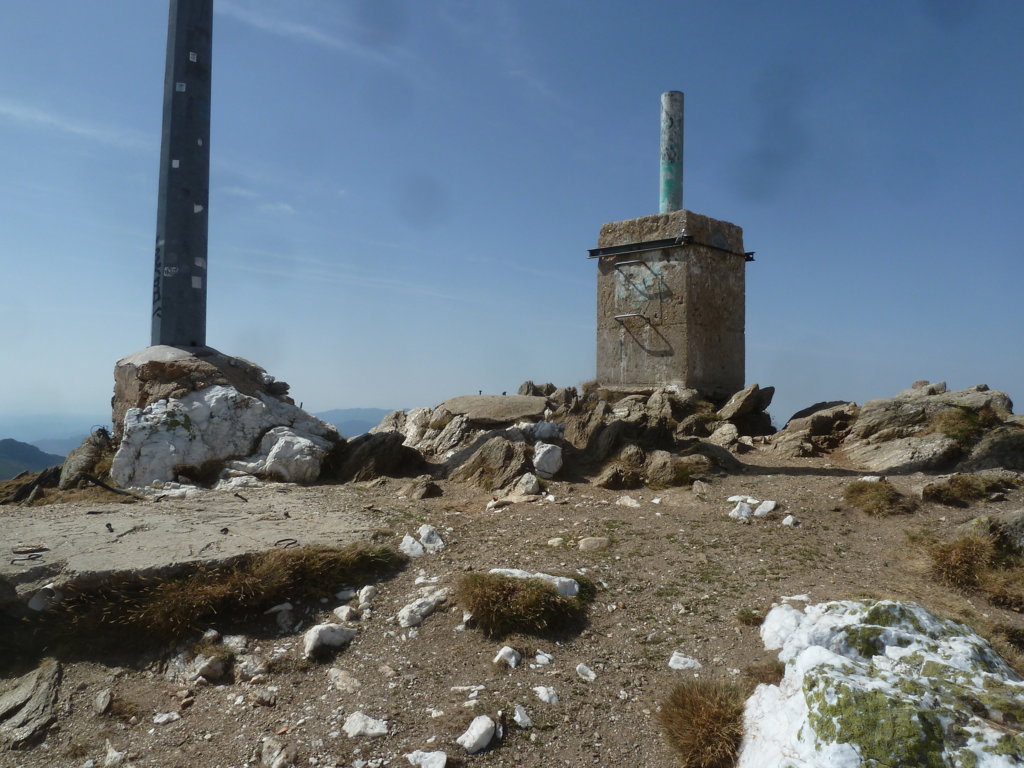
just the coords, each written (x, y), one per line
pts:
(674, 574)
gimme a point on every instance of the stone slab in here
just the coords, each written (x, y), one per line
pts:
(153, 536)
(496, 409)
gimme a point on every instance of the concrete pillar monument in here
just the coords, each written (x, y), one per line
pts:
(671, 289)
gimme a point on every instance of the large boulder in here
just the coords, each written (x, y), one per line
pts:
(881, 684)
(84, 459)
(203, 432)
(1003, 447)
(378, 455)
(494, 465)
(169, 373)
(926, 428)
(817, 429)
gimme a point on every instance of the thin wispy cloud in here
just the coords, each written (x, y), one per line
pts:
(243, 192)
(300, 32)
(282, 208)
(37, 117)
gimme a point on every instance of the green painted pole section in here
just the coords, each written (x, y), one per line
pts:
(671, 198)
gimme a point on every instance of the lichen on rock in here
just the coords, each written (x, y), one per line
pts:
(879, 683)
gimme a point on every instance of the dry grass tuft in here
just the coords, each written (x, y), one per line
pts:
(767, 673)
(878, 499)
(170, 608)
(502, 605)
(961, 490)
(748, 617)
(962, 562)
(1005, 586)
(702, 720)
(963, 424)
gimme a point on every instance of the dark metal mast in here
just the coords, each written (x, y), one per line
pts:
(179, 279)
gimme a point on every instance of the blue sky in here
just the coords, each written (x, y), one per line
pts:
(403, 193)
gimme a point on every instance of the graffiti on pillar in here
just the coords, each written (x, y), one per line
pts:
(640, 287)
(158, 271)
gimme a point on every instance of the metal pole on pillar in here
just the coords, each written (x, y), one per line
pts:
(179, 279)
(671, 152)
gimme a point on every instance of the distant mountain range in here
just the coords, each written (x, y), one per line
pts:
(354, 421)
(16, 457)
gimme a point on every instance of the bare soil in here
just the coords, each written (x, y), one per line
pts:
(675, 576)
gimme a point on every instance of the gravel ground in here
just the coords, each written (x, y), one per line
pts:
(674, 575)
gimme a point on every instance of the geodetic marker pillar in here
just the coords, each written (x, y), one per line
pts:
(179, 277)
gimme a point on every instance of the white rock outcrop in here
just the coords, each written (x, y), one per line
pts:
(413, 614)
(882, 683)
(259, 435)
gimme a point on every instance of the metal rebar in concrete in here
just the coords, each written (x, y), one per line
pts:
(179, 277)
(671, 152)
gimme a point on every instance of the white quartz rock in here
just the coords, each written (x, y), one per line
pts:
(682, 661)
(325, 636)
(741, 511)
(411, 547)
(427, 759)
(509, 656)
(547, 460)
(478, 735)
(562, 584)
(546, 694)
(585, 673)
(521, 717)
(764, 508)
(359, 724)
(430, 539)
(413, 614)
(219, 423)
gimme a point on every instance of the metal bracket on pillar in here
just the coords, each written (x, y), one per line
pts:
(623, 318)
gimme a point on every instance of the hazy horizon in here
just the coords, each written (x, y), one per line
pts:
(403, 194)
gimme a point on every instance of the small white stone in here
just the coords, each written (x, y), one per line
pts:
(411, 547)
(478, 735)
(346, 594)
(562, 584)
(734, 499)
(872, 479)
(764, 508)
(546, 694)
(681, 661)
(528, 485)
(544, 658)
(752, 501)
(427, 759)
(509, 656)
(790, 521)
(586, 673)
(627, 501)
(557, 541)
(522, 719)
(166, 717)
(430, 539)
(367, 594)
(113, 757)
(413, 614)
(325, 636)
(656, 501)
(346, 613)
(358, 724)
(343, 680)
(741, 511)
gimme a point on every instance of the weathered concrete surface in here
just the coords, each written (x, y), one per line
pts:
(496, 409)
(152, 536)
(692, 302)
